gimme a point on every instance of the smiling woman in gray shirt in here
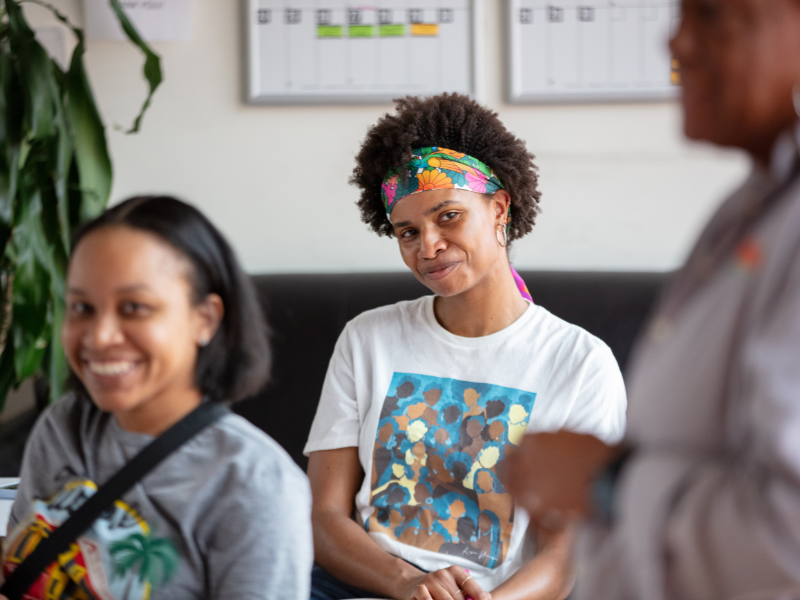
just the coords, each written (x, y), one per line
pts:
(160, 319)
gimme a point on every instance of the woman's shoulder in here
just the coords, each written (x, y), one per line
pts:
(73, 414)
(251, 452)
(570, 349)
(551, 328)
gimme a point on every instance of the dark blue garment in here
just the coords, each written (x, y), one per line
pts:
(325, 586)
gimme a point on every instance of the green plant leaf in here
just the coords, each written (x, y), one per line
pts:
(35, 71)
(31, 296)
(63, 155)
(152, 63)
(11, 119)
(28, 353)
(57, 365)
(7, 375)
(89, 137)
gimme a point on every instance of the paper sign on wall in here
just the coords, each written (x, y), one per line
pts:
(156, 20)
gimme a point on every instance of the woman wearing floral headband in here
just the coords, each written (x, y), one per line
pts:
(424, 399)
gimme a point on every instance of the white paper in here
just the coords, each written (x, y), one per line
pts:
(5, 505)
(155, 20)
(5, 515)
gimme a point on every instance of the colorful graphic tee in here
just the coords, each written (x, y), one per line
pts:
(119, 558)
(434, 415)
(434, 480)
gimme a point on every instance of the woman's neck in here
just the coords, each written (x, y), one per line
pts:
(155, 415)
(485, 308)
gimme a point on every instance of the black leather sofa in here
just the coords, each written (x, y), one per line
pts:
(308, 312)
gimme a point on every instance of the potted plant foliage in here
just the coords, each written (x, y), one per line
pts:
(55, 173)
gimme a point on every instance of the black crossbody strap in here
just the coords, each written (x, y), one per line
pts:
(49, 548)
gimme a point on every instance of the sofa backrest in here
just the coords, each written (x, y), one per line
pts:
(308, 312)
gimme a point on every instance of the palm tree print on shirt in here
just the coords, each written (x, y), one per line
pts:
(155, 559)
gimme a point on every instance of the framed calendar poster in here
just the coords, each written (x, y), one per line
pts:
(342, 51)
(590, 50)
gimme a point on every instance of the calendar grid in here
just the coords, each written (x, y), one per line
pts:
(329, 51)
(590, 50)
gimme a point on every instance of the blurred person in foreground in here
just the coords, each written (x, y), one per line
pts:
(706, 500)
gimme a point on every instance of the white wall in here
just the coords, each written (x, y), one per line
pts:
(622, 190)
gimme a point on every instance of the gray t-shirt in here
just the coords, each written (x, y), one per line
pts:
(225, 516)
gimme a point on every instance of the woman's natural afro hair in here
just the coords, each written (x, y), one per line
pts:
(455, 122)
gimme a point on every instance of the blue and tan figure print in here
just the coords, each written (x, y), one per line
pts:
(434, 470)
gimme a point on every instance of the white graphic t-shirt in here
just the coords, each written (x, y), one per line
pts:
(434, 414)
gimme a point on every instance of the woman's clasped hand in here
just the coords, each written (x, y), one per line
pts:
(453, 583)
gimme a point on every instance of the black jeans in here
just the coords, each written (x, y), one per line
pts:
(325, 586)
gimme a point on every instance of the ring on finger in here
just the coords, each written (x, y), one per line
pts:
(461, 585)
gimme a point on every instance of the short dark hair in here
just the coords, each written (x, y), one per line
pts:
(455, 122)
(236, 362)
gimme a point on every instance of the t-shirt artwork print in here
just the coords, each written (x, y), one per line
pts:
(118, 558)
(434, 480)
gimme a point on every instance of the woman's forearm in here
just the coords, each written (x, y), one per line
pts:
(547, 576)
(346, 551)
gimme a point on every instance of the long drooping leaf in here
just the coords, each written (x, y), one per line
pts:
(35, 71)
(89, 138)
(11, 125)
(64, 154)
(32, 257)
(87, 129)
(7, 376)
(152, 63)
(57, 366)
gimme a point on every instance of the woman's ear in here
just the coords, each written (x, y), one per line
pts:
(210, 312)
(500, 203)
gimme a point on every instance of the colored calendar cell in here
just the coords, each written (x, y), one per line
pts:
(425, 29)
(329, 31)
(362, 31)
(392, 30)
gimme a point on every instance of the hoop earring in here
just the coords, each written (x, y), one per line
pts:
(504, 241)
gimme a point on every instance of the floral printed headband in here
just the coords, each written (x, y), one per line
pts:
(435, 168)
